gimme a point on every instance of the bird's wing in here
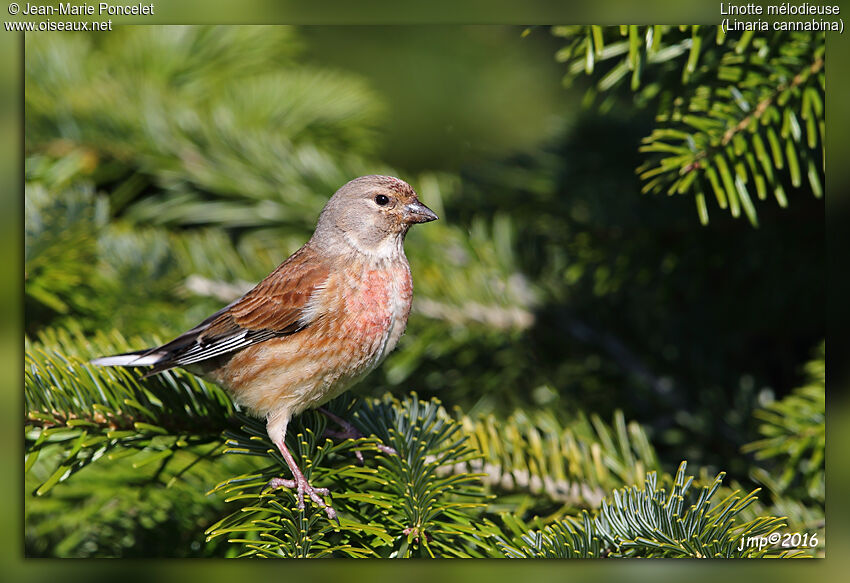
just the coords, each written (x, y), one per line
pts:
(279, 305)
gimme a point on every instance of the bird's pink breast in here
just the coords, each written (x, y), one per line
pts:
(380, 297)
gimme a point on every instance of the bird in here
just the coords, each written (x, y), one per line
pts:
(323, 319)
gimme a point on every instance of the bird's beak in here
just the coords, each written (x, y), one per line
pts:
(416, 212)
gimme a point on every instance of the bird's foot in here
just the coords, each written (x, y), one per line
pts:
(348, 431)
(301, 487)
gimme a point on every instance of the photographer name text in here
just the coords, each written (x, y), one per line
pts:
(100, 9)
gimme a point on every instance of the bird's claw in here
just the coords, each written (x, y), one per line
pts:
(301, 487)
(387, 449)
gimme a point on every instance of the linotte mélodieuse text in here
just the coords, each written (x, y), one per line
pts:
(102, 8)
(784, 9)
(803, 16)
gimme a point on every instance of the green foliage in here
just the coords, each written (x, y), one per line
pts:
(573, 465)
(404, 507)
(216, 135)
(169, 168)
(60, 262)
(422, 502)
(793, 432)
(118, 507)
(739, 116)
(95, 411)
(655, 522)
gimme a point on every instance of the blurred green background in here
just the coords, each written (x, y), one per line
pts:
(168, 168)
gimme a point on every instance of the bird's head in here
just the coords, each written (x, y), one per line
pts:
(372, 214)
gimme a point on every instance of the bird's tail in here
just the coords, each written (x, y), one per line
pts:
(146, 357)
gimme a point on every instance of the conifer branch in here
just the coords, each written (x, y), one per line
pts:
(736, 118)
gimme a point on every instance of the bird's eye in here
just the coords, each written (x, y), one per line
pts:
(382, 200)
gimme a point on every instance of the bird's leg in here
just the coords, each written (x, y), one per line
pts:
(348, 431)
(300, 484)
(276, 427)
